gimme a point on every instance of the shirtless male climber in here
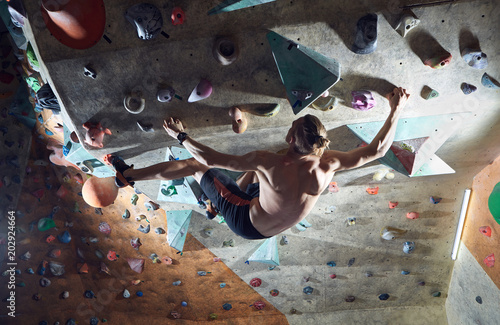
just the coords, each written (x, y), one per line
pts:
(280, 189)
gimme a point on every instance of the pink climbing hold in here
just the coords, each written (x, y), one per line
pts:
(259, 305)
(412, 215)
(486, 230)
(362, 100)
(166, 260)
(112, 256)
(105, 228)
(332, 187)
(372, 190)
(490, 260)
(333, 276)
(217, 259)
(255, 282)
(136, 264)
(392, 205)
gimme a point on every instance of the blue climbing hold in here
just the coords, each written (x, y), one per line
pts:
(40, 118)
(89, 294)
(18, 271)
(383, 296)
(48, 132)
(65, 237)
(139, 294)
(308, 290)
(202, 273)
(405, 272)
(184, 304)
(227, 306)
(331, 263)
(65, 151)
(177, 283)
(222, 285)
(408, 247)
(94, 321)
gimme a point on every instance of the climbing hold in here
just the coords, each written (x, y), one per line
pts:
(136, 264)
(89, 72)
(390, 233)
(177, 16)
(362, 100)
(57, 269)
(154, 257)
(238, 119)
(489, 82)
(475, 58)
(140, 217)
(184, 304)
(421, 283)
(71, 321)
(159, 230)
(26, 256)
(216, 259)
(104, 268)
(177, 283)
(227, 306)
(126, 214)
(65, 295)
(225, 51)
(30, 271)
(372, 190)
(383, 296)
(408, 247)
(222, 285)
(351, 262)
(21, 284)
(407, 23)
(332, 187)
(259, 305)
(274, 292)
(89, 294)
(201, 91)
(135, 243)
(494, 203)
(105, 228)
(134, 199)
(83, 268)
(435, 200)
(36, 297)
(99, 254)
(368, 274)
(486, 230)
(55, 253)
(436, 294)
(150, 205)
(145, 127)
(490, 260)
(331, 264)
(65, 237)
(333, 276)
(439, 62)
(479, 300)
(208, 231)
(412, 215)
(144, 229)
(213, 316)
(139, 293)
(308, 290)
(44, 282)
(147, 20)
(228, 243)
(351, 221)
(468, 89)
(94, 321)
(303, 225)
(255, 282)
(392, 205)
(404, 272)
(166, 260)
(350, 298)
(331, 209)
(284, 240)
(112, 256)
(46, 224)
(365, 41)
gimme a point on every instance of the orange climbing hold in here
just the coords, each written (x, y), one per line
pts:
(412, 215)
(332, 187)
(372, 190)
(490, 260)
(50, 239)
(392, 205)
(112, 256)
(486, 230)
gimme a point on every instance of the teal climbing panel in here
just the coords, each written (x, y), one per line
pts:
(231, 5)
(267, 252)
(186, 189)
(177, 227)
(306, 74)
(422, 136)
(76, 154)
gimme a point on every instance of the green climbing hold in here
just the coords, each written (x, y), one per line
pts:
(494, 203)
(134, 199)
(169, 191)
(46, 224)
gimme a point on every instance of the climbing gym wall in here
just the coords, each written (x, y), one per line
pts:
(474, 291)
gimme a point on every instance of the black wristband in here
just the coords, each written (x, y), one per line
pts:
(181, 137)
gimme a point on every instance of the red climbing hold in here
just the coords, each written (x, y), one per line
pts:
(50, 239)
(490, 260)
(259, 305)
(372, 190)
(112, 256)
(412, 215)
(333, 188)
(392, 205)
(486, 230)
(255, 282)
(333, 276)
(177, 16)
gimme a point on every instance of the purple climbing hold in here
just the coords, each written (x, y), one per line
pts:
(105, 228)
(362, 100)
(475, 58)
(201, 91)
(468, 89)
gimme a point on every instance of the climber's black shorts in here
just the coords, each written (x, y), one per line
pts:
(232, 202)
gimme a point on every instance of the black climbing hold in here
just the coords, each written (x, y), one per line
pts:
(365, 41)
(383, 296)
(479, 300)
